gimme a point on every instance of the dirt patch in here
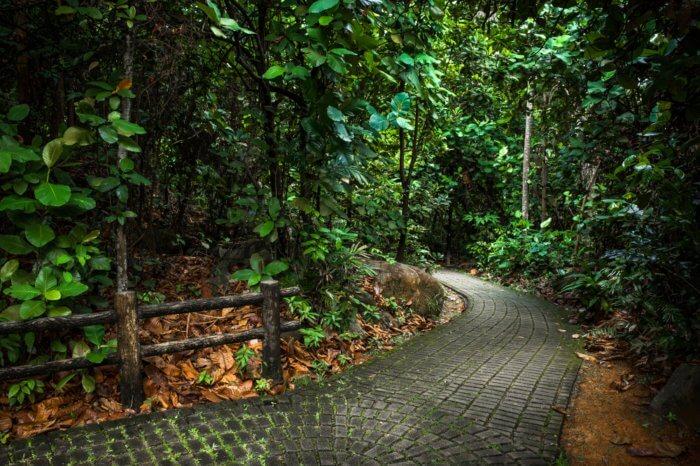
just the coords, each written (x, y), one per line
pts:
(610, 422)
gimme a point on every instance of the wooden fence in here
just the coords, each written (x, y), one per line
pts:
(130, 352)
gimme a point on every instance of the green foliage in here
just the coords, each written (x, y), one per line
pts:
(244, 354)
(25, 390)
(205, 378)
(313, 336)
(259, 271)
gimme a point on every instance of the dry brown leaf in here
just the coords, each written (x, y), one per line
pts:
(211, 396)
(123, 84)
(586, 357)
(188, 370)
(5, 423)
(171, 370)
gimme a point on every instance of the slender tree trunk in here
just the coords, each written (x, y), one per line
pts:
(543, 186)
(401, 247)
(122, 268)
(526, 160)
(269, 129)
(406, 178)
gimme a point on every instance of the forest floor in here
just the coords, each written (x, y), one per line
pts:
(609, 421)
(210, 375)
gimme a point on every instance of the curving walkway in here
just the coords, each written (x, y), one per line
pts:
(479, 389)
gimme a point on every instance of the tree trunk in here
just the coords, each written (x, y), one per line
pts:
(543, 185)
(526, 160)
(122, 268)
(406, 176)
(401, 247)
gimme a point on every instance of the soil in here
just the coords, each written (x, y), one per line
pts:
(609, 419)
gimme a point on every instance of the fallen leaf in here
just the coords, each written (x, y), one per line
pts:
(188, 370)
(657, 450)
(123, 84)
(5, 423)
(586, 357)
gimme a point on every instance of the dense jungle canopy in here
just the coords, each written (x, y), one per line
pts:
(549, 142)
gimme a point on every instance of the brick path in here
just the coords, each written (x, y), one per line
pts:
(477, 390)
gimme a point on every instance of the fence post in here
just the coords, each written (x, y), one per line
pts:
(272, 360)
(129, 349)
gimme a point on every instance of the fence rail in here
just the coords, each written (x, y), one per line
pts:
(130, 352)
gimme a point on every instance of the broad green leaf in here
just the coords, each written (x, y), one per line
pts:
(322, 5)
(76, 135)
(108, 134)
(18, 112)
(52, 295)
(103, 184)
(378, 122)
(59, 311)
(254, 279)
(94, 334)
(335, 114)
(52, 151)
(32, 309)
(45, 280)
(406, 59)
(256, 262)
(242, 275)
(88, 383)
(275, 71)
(54, 195)
(82, 201)
(22, 292)
(129, 144)
(127, 128)
(275, 267)
(265, 228)
(210, 10)
(401, 102)
(39, 234)
(19, 203)
(5, 161)
(8, 269)
(126, 164)
(14, 245)
(325, 20)
(342, 132)
(80, 349)
(68, 290)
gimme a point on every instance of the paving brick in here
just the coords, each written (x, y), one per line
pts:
(476, 390)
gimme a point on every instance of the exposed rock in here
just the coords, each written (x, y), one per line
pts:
(388, 320)
(681, 395)
(410, 286)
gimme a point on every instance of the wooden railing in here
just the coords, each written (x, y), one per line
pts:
(130, 352)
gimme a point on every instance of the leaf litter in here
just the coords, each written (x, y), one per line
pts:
(175, 380)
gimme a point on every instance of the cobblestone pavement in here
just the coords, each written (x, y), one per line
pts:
(479, 389)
